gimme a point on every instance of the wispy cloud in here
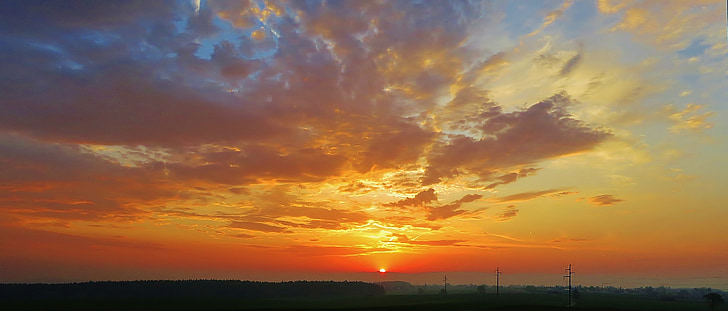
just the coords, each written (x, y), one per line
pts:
(401, 238)
(525, 196)
(509, 212)
(689, 119)
(552, 16)
(604, 200)
(257, 226)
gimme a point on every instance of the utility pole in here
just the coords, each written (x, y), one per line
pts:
(445, 280)
(569, 273)
(497, 280)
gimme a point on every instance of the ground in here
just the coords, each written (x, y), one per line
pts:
(510, 302)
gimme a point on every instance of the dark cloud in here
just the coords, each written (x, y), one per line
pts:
(125, 104)
(570, 65)
(243, 236)
(542, 131)
(356, 187)
(509, 212)
(393, 149)
(469, 198)
(255, 163)
(563, 193)
(445, 211)
(239, 190)
(38, 16)
(512, 177)
(452, 209)
(604, 200)
(420, 199)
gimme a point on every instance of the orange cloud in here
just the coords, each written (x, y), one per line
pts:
(667, 25)
(689, 119)
(257, 226)
(510, 212)
(525, 196)
(551, 17)
(604, 200)
(401, 238)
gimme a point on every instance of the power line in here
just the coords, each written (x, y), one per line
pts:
(568, 275)
(497, 280)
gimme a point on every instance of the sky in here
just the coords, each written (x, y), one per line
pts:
(277, 140)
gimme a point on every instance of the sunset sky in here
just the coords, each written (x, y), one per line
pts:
(276, 140)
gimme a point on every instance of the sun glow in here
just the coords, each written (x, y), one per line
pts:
(382, 270)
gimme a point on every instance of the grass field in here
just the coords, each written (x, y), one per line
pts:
(457, 302)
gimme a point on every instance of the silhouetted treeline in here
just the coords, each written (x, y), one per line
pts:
(188, 289)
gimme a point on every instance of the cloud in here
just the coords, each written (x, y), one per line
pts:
(604, 200)
(469, 198)
(689, 119)
(357, 187)
(512, 177)
(563, 193)
(436, 212)
(551, 17)
(667, 25)
(525, 196)
(445, 212)
(542, 131)
(570, 65)
(452, 209)
(331, 250)
(611, 6)
(124, 105)
(402, 146)
(251, 164)
(242, 235)
(567, 240)
(257, 226)
(53, 17)
(56, 181)
(401, 238)
(420, 199)
(281, 208)
(23, 238)
(509, 212)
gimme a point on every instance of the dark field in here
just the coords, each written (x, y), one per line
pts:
(452, 302)
(329, 295)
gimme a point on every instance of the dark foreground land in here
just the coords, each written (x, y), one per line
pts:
(162, 295)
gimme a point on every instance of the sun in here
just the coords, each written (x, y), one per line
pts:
(382, 270)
